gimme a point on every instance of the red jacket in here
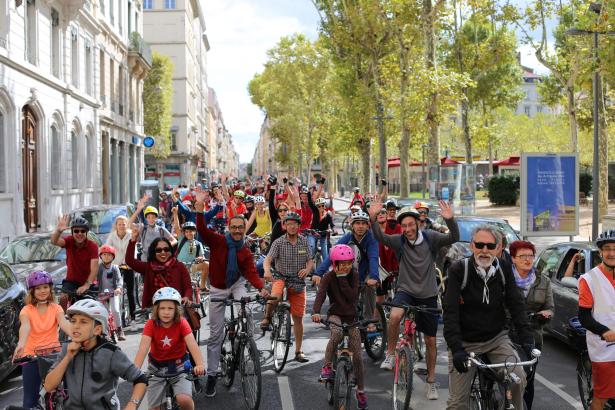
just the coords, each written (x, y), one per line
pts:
(217, 257)
(388, 257)
(180, 277)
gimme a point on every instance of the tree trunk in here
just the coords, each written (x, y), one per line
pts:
(465, 124)
(572, 119)
(382, 142)
(404, 142)
(430, 63)
(603, 169)
(404, 145)
(365, 161)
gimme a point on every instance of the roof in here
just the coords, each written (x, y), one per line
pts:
(395, 162)
(510, 161)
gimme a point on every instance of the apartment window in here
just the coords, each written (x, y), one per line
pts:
(30, 31)
(120, 14)
(112, 84)
(173, 140)
(147, 4)
(102, 6)
(102, 74)
(56, 157)
(74, 56)
(129, 18)
(169, 4)
(88, 67)
(3, 146)
(121, 90)
(89, 181)
(74, 162)
(55, 43)
(111, 12)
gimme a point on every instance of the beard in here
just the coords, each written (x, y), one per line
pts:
(484, 260)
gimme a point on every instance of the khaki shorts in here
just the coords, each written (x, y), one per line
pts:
(156, 389)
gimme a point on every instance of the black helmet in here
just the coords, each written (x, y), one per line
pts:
(605, 237)
(356, 189)
(249, 198)
(292, 216)
(391, 204)
(80, 222)
(189, 225)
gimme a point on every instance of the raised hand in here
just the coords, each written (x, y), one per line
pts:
(375, 206)
(445, 209)
(62, 223)
(142, 202)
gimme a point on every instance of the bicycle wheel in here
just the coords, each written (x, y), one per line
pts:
(250, 373)
(402, 381)
(342, 388)
(475, 402)
(376, 342)
(227, 360)
(584, 380)
(138, 289)
(281, 342)
(419, 346)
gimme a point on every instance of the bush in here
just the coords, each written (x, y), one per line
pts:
(503, 190)
(585, 183)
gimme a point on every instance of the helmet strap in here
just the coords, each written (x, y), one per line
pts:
(610, 267)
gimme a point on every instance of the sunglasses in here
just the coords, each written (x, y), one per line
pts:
(481, 245)
(236, 228)
(321, 206)
(80, 230)
(423, 212)
(383, 212)
(160, 250)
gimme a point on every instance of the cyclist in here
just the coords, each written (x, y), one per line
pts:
(388, 257)
(416, 282)
(596, 301)
(81, 256)
(231, 264)
(538, 296)
(427, 223)
(305, 211)
(260, 218)
(166, 338)
(91, 366)
(293, 261)
(190, 250)
(109, 278)
(391, 213)
(342, 286)
(150, 230)
(357, 198)
(322, 220)
(39, 320)
(236, 206)
(479, 292)
(249, 203)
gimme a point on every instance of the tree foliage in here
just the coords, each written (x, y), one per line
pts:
(158, 104)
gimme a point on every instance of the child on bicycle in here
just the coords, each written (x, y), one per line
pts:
(342, 286)
(165, 337)
(110, 279)
(190, 250)
(39, 318)
(91, 366)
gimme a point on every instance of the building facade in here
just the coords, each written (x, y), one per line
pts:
(263, 162)
(224, 157)
(53, 154)
(532, 104)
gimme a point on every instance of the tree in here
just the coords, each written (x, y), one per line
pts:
(158, 104)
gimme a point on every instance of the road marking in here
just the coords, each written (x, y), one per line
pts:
(285, 395)
(565, 396)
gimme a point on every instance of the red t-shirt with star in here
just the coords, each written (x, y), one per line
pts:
(168, 343)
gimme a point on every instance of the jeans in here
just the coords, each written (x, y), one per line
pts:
(260, 266)
(324, 247)
(31, 384)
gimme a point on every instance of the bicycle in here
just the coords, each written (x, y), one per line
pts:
(45, 357)
(482, 393)
(374, 341)
(339, 385)
(318, 250)
(104, 297)
(280, 331)
(404, 354)
(239, 351)
(170, 403)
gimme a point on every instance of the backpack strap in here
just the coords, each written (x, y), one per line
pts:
(181, 245)
(465, 275)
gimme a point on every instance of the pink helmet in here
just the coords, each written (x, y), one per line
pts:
(37, 278)
(341, 253)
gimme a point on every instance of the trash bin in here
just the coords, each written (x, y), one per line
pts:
(152, 189)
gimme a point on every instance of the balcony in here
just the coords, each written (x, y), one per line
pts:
(139, 56)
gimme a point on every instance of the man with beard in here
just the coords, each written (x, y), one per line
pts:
(479, 291)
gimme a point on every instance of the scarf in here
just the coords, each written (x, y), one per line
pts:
(162, 273)
(485, 276)
(232, 268)
(524, 283)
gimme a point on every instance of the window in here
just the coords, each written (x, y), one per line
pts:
(74, 162)
(74, 55)
(121, 90)
(3, 146)
(129, 18)
(102, 6)
(112, 84)
(147, 5)
(173, 140)
(169, 4)
(89, 163)
(88, 67)
(120, 21)
(55, 43)
(547, 264)
(30, 31)
(56, 158)
(102, 75)
(111, 12)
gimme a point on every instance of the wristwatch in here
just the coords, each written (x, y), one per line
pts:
(135, 402)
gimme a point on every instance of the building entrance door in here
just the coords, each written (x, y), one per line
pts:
(29, 167)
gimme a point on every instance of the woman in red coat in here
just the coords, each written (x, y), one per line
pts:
(160, 270)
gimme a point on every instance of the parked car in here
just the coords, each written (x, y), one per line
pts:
(12, 296)
(434, 207)
(552, 262)
(34, 251)
(461, 249)
(101, 217)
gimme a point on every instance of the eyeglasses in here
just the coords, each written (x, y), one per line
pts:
(161, 250)
(422, 212)
(490, 245)
(383, 212)
(236, 227)
(80, 230)
(525, 257)
(321, 206)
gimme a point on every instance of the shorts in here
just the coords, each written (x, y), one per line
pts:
(603, 378)
(156, 389)
(296, 299)
(426, 323)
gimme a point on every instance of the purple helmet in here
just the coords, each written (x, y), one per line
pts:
(37, 278)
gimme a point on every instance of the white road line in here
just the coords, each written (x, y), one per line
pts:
(565, 396)
(285, 395)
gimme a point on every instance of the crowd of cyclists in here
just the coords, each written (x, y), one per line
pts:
(273, 237)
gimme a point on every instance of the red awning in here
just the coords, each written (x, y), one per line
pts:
(510, 162)
(393, 162)
(448, 161)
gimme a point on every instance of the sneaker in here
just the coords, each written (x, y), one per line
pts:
(325, 373)
(210, 388)
(361, 400)
(120, 335)
(301, 358)
(388, 362)
(432, 391)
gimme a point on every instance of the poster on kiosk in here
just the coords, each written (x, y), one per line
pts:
(549, 194)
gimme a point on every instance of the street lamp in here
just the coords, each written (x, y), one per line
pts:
(596, 8)
(423, 168)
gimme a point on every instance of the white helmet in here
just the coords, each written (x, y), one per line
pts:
(320, 201)
(91, 308)
(259, 199)
(167, 293)
(359, 216)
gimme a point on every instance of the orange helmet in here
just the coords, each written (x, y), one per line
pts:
(421, 204)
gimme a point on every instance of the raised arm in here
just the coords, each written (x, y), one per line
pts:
(55, 238)
(273, 213)
(134, 264)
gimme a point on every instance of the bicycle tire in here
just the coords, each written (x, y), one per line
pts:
(138, 289)
(329, 385)
(227, 360)
(342, 387)
(419, 346)
(375, 344)
(345, 224)
(403, 378)
(281, 343)
(584, 380)
(251, 394)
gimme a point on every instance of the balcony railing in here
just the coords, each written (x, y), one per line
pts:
(139, 46)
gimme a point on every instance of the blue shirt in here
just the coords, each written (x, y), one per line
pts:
(367, 266)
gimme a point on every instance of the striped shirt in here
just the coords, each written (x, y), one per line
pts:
(289, 259)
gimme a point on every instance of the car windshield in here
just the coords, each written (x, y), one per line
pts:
(31, 249)
(467, 226)
(101, 221)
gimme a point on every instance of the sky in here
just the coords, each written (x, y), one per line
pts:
(240, 32)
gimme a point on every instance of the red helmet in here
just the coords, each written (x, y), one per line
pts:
(106, 249)
(341, 253)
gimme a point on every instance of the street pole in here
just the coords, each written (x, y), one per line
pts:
(382, 146)
(424, 179)
(595, 173)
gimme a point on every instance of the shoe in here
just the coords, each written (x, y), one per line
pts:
(205, 290)
(361, 400)
(300, 357)
(210, 388)
(432, 391)
(325, 373)
(388, 362)
(265, 325)
(120, 335)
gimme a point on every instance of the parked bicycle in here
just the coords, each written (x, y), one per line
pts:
(239, 351)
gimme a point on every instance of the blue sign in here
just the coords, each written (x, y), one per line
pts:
(549, 195)
(149, 141)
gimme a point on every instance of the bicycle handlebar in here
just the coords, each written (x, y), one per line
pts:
(481, 365)
(247, 299)
(24, 360)
(345, 327)
(422, 308)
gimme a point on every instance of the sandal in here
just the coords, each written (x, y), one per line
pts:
(301, 358)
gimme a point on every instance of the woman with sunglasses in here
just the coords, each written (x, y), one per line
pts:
(161, 270)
